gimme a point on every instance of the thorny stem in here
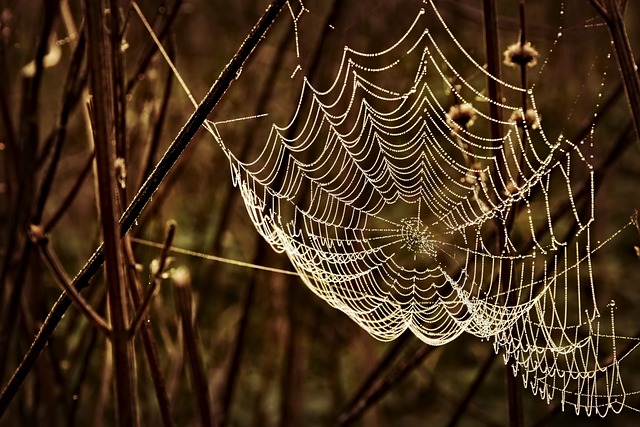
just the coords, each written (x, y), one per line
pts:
(143, 196)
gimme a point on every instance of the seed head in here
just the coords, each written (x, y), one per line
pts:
(460, 116)
(531, 119)
(521, 54)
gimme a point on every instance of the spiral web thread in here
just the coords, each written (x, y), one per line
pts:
(403, 218)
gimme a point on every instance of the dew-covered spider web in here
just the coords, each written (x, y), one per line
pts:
(396, 206)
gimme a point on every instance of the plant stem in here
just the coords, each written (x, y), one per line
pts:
(61, 277)
(105, 132)
(149, 344)
(184, 306)
(627, 63)
(143, 196)
(402, 370)
(386, 361)
(20, 212)
(514, 386)
(523, 67)
(473, 389)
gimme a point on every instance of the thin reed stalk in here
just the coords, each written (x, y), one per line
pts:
(143, 196)
(105, 130)
(184, 307)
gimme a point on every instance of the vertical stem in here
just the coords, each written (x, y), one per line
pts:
(171, 156)
(492, 47)
(104, 135)
(150, 346)
(626, 60)
(523, 67)
(184, 302)
(473, 389)
(514, 387)
(290, 389)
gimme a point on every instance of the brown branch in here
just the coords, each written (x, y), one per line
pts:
(181, 141)
(386, 361)
(104, 130)
(184, 307)
(626, 61)
(239, 341)
(154, 143)
(473, 389)
(52, 262)
(20, 212)
(71, 195)
(143, 306)
(600, 8)
(149, 343)
(152, 48)
(514, 384)
(400, 373)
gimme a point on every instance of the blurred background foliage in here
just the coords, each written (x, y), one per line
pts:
(302, 361)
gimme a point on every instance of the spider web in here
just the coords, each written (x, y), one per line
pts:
(402, 216)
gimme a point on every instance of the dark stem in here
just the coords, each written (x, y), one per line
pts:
(386, 361)
(184, 306)
(473, 389)
(51, 260)
(20, 212)
(238, 343)
(149, 344)
(627, 63)
(402, 370)
(143, 196)
(152, 48)
(143, 306)
(70, 197)
(152, 146)
(523, 67)
(514, 386)
(105, 133)
(70, 94)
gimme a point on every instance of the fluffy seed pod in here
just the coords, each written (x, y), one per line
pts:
(531, 119)
(460, 116)
(519, 55)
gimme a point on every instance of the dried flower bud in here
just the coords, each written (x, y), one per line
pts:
(511, 189)
(121, 171)
(460, 116)
(521, 54)
(36, 234)
(181, 277)
(531, 119)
